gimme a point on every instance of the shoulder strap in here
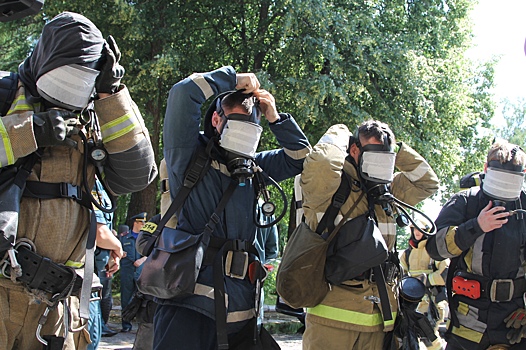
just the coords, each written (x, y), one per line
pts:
(472, 206)
(196, 170)
(338, 199)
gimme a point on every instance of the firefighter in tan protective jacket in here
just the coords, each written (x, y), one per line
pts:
(72, 72)
(349, 317)
(416, 262)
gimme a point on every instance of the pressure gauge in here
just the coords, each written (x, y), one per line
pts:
(98, 155)
(268, 208)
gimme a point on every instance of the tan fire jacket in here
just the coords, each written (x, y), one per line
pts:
(58, 227)
(349, 306)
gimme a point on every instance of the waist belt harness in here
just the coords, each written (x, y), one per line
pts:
(43, 274)
(496, 290)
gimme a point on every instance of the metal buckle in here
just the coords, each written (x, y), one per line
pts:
(371, 276)
(493, 290)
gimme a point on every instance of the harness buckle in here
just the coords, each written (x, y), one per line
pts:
(70, 191)
(498, 290)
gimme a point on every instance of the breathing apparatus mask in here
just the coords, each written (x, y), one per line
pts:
(70, 86)
(376, 165)
(238, 140)
(239, 135)
(503, 182)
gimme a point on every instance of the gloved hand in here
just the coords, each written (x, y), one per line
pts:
(517, 321)
(55, 127)
(133, 307)
(111, 73)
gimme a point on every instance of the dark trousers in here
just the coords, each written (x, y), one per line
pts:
(177, 327)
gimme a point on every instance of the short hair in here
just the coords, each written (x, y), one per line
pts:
(238, 99)
(378, 130)
(504, 152)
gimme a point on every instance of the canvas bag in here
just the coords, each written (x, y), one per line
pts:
(172, 268)
(300, 280)
(358, 247)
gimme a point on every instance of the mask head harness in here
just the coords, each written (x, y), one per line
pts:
(504, 181)
(240, 132)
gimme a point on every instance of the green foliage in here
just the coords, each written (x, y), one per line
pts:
(325, 61)
(514, 127)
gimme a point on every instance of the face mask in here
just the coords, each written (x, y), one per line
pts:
(240, 137)
(503, 184)
(377, 166)
(68, 86)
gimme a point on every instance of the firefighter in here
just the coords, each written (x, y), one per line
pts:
(67, 102)
(416, 262)
(482, 230)
(350, 315)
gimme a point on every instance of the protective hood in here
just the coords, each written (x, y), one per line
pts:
(68, 86)
(69, 38)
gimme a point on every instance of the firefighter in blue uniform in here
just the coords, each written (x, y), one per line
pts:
(131, 264)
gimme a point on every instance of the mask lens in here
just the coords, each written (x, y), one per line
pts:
(503, 184)
(378, 166)
(68, 86)
(241, 137)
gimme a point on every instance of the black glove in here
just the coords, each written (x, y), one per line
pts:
(55, 127)
(133, 307)
(111, 73)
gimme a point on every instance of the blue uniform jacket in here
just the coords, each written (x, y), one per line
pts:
(181, 136)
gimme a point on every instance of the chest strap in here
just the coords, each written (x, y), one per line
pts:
(47, 190)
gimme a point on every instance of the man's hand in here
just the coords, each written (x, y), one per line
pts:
(267, 103)
(109, 78)
(247, 82)
(488, 220)
(140, 261)
(112, 266)
(55, 127)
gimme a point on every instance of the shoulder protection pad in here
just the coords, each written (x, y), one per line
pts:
(8, 86)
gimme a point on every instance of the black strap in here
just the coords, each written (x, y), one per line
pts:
(338, 199)
(196, 170)
(472, 210)
(47, 190)
(219, 287)
(382, 291)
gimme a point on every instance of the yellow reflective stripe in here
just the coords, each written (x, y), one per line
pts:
(348, 316)
(6, 151)
(74, 264)
(452, 247)
(118, 127)
(20, 104)
(467, 333)
(463, 308)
